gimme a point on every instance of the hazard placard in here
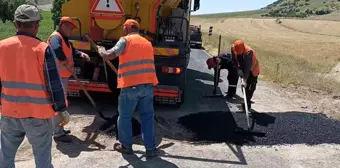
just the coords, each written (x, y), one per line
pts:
(107, 6)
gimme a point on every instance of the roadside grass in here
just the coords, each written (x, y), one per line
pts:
(276, 66)
(45, 29)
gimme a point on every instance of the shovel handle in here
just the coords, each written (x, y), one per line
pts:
(82, 86)
(96, 48)
(245, 102)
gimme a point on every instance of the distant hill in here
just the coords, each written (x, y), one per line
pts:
(301, 8)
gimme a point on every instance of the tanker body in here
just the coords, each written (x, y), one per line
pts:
(165, 23)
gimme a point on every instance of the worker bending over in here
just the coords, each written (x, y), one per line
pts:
(31, 91)
(225, 61)
(64, 51)
(136, 78)
(248, 67)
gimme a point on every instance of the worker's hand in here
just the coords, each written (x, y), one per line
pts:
(85, 56)
(240, 73)
(101, 51)
(65, 118)
(244, 84)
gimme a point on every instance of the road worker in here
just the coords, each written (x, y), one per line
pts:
(31, 93)
(248, 67)
(225, 61)
(64, 51)
(136, 79)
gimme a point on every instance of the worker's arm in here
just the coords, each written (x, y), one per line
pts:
(226, 61)
(233, 56)
(56, 45)
(79, 54)
(75, 52)
(115, 51)
(248, 63)
(53, 82)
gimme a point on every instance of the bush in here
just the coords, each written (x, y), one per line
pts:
(56, 10)
(8, 7)
(322, 11)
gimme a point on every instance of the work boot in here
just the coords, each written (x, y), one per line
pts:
(64, 138)
(151, 153)
(67, 132)
(121, 149)
(230, 95)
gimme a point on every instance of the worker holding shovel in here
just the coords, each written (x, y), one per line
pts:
(248, 68)
(136, 79)
(64, 50)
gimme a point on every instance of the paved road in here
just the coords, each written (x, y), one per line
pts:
(208, 140)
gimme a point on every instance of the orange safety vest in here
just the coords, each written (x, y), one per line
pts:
(24, 92)
(255, 66)
(64, 72)
(136, 64)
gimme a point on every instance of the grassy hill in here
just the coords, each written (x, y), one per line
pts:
(301, 8)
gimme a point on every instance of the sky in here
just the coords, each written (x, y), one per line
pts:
(221, 6)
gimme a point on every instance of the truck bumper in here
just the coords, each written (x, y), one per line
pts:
(163, 94)
(193, 43)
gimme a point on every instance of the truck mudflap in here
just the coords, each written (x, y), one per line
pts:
(165, 94)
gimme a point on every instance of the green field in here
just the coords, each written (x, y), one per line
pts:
(243, 14)
(46, 27)
(296, 51)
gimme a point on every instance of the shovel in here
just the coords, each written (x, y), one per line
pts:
(98, 110)
(249, 131)
(246, 103)
(156, 118)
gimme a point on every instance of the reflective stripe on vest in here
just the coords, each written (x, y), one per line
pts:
(24, 93)
(138, 71)
(64, 72)
(34, 89)
(255, 67)
(136, 64)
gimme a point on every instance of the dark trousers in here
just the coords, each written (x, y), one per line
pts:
(232, 81)
(250, 88)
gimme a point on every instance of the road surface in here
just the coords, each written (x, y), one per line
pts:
(202, 133)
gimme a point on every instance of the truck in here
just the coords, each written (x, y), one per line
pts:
(195, 36)
(165, 23)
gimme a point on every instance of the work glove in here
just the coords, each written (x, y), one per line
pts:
(240, 73)
(65, 118)
(244, 84)
(101, 50)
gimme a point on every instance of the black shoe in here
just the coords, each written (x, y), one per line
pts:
(151, 153)
(63, 138)
(122, 149)
(67, 132)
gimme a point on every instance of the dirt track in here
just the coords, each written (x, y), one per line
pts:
(293, 137)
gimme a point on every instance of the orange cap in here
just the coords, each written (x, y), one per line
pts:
(239, 47)
(131, 22)
(69, 20)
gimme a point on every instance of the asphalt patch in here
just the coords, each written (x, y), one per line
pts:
(110, 127)
(268, 128)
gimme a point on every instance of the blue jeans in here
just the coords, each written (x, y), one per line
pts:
(38, 133)
(137, 97)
